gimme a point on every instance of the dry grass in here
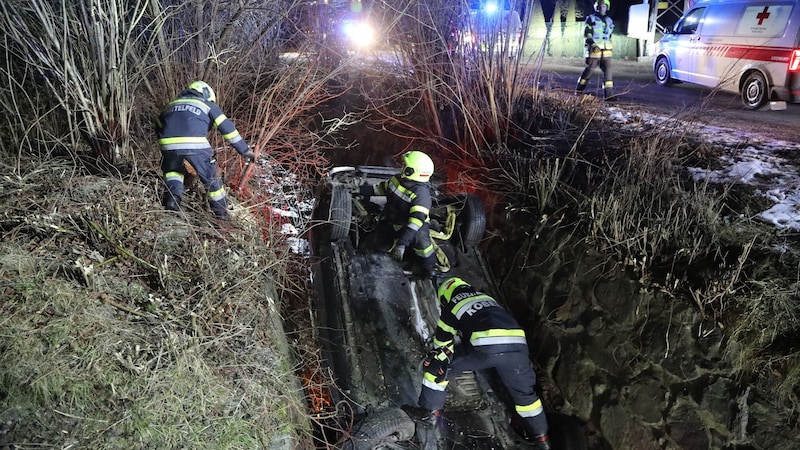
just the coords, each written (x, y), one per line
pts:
(129, 327)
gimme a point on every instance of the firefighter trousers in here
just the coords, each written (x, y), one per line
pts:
(514, 370)
(382, 239)
(205, 164)
(608, 76)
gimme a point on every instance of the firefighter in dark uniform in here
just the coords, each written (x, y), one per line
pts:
(405, 221)
(598, 27)
(490, 337)
(183, 128)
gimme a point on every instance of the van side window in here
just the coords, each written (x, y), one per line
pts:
(690, 22)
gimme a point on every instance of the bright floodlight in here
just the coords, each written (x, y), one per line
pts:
(490, 8)
(360, 33)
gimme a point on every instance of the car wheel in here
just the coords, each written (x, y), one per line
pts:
(754, 91)
(388, 425)
(340, 213)
(663, 77)
(471, 219)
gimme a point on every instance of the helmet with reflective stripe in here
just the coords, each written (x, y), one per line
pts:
(447, 288)
(417, 166)
(202, 88)
(601, 2)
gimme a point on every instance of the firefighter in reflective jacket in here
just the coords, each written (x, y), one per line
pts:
(405, 220)
(183, 128)
(491, 338)
(598, 27)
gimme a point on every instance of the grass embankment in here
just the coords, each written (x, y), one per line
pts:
(124, 326)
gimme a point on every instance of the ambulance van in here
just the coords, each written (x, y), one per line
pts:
(751, 48)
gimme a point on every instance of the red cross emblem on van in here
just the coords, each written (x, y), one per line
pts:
(763, 15)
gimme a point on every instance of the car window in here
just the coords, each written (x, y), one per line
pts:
(690, 22)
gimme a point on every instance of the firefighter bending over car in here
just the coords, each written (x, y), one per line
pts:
(405, 218)
(598, 27)
(490, 338)
(183, 128)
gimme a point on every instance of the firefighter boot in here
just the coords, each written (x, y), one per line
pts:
(542, 442)
(608, 91)
(172, 202)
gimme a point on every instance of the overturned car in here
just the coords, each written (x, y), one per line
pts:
(376, 320)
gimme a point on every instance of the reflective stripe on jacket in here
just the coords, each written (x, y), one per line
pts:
(481, 320)
(408, 204)
(599, 29)
(185, 122)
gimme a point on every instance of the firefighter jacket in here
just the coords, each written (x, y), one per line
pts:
(597, 31)
(482, 322)
(184, 124)
(408, 205)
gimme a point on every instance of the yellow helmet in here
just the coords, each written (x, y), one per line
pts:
(417, 166)
(202, 88)
(447, 288)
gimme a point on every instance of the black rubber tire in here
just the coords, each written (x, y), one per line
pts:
(340, 213)
(755, 91)
(566, 432)
(662, 72)
(388, 425)
(471, 219)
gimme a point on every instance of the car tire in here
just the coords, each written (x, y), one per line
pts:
(662, 72)
(340, 213)
(566, 432)
(471, 219)
(754, 91)
(388, 425)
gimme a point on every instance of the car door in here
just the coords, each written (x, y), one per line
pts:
(686, 48)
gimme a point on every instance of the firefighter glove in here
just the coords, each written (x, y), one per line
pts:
(249, 156)
(590, 42)
(595, 49)
(398, 251)
(437, 362)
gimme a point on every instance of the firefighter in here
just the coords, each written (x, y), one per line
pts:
(598, 27)
(405, 219)
(491, 338)
(183, 128)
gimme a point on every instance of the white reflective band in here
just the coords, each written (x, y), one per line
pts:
(434, 386)
(495, 340)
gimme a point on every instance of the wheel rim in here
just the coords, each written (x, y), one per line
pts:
(662, 71)
(754, 93)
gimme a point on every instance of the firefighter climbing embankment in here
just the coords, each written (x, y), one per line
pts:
(183, 128)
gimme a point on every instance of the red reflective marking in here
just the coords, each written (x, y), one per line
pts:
(794, 63)
(769, 54)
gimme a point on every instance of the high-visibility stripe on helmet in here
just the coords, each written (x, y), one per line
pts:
(447, 288)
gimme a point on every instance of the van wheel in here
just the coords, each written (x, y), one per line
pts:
(754, 91)
(663, 77)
